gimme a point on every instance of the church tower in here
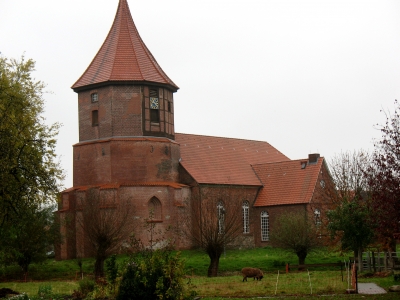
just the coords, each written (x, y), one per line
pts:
(126, 149)
(126, 112)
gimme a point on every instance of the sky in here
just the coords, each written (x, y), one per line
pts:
(305, 76)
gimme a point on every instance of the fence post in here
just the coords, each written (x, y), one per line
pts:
(385, 261)
(368, 261)
(373, 261)
(379, 261)
(287, 268)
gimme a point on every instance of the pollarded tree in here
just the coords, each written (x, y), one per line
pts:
(296, 233)
(105, 223)
(216, 221)
(384, 180)
(29, 172)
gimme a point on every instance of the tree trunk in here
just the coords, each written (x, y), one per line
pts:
(302, 254)
(214, 264)
(99, 267)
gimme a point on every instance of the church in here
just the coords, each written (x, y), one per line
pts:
(128, 149)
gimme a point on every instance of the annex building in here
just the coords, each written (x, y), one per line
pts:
(128, 150)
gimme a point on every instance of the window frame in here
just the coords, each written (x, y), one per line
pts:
(221, 217)
(94, 97)
(246, 217)
(264, 226)
(154, 112)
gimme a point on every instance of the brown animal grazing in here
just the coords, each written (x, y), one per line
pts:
(252, 272)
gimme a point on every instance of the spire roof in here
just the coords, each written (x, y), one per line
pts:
(123, 57)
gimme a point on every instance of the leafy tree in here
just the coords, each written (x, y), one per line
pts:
(105, 224)
(384, 179)
(28, 238)
(296, 233)
(350, 222)
(29, 173)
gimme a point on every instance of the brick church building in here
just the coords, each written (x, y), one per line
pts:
(128, 149)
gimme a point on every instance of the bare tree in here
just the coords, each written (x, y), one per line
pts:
(347, 171)
(216, 220)
(297, 233)
(105, 224)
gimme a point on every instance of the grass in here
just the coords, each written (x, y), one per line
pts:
(31, 288)
(267, 259)
(61, 275)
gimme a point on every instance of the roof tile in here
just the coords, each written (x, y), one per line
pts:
(218, 160)
(124, 56)
(287, 182)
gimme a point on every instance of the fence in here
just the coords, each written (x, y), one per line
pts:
(380, 261)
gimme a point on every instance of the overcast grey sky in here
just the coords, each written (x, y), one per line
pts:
(305, 76)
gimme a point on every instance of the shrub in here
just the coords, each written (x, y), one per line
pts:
(86, 286)
(153, 275)
(45, 291)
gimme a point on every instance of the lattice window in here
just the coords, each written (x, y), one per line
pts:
(221, 217)
(94, 97)
(264, 226)
(317, 217)
(246, 227)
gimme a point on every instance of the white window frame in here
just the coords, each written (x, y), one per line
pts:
(264, 226)
(246, 227)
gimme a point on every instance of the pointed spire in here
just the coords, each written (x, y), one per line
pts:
(124, 57)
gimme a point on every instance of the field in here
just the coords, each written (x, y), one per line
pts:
(63, 275)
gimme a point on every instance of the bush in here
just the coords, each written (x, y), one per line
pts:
(45, 291)
(86, 286)
(153, 275)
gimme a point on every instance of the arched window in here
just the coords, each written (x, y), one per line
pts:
(221, 217)
(154, 209)
(246, 228)
(317, 217)
(264, 226)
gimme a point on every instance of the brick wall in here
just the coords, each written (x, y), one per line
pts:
(123, 110)
(126, 160)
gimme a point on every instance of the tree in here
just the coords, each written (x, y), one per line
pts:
(30, 237)
(105, 224)
(347, 171)
(350, 222)
(296, 233)
(215, 221)
(29, 173)
(384, 179)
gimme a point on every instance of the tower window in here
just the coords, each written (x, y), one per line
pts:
(94, 97)
(154, 106)
(169, 106)
(95, 118)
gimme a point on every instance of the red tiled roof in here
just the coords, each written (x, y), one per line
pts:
(218, 160)
(106, 186)
(286, 182)
(124, 56)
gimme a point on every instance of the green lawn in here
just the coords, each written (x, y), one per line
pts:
(62, 276)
